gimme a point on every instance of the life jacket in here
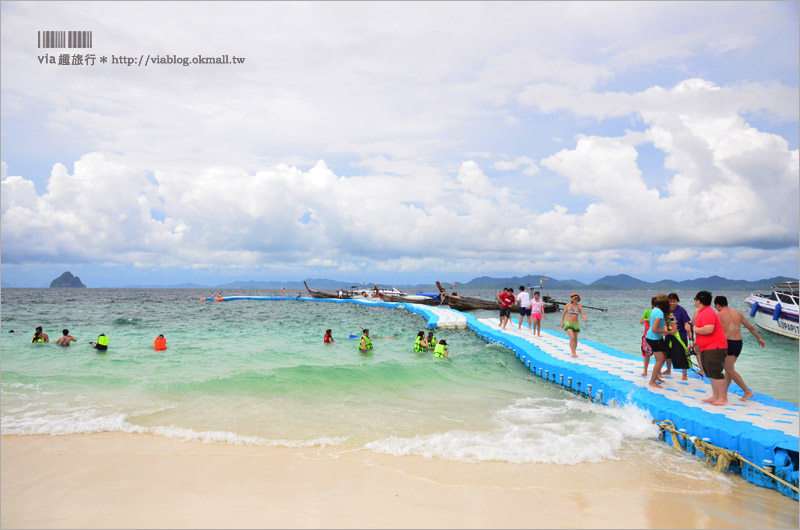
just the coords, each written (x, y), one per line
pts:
(102, 340)
(418, 346)
(439, 350)
(160, 343)
(327, 338)
(431, 342)
(367, 343)
(34, 339)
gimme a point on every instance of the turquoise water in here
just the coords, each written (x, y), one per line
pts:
(257, 372)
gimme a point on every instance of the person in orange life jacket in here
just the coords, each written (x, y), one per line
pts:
(160, 344)
(328, 336)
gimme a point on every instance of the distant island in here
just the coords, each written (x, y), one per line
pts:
(617, 282)
(67, 280)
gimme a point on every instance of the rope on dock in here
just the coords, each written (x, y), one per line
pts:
(724, 457)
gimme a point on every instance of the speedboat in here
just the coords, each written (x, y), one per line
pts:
(777, 311)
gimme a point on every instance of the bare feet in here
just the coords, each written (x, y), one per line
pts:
(644, 374)
(573, 355)
(709, 400)
(660, 380)
(747, 395)
(654, 385)
(685, 377)
(667, 372)
(719, 403)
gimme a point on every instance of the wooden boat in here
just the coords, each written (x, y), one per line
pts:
(322, 294)
(466, 303)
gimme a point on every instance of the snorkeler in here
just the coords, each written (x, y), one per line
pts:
(101, 344)
(441, 351)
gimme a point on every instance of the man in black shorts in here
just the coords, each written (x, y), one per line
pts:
(732, 322)
(506, 299)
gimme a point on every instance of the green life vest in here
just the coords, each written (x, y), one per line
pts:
(439, 350)
(367, 343)
(34, 339)
(102, 340)
(431, 342)
(418, 346)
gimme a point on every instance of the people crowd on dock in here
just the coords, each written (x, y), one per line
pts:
(714, 337)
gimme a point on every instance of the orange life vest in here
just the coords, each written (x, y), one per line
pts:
(160, 344)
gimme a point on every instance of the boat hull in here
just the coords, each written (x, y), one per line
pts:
(769, 316)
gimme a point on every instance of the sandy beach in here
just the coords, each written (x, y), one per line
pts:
(116, 480)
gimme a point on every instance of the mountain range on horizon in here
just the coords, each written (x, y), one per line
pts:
(619, 281)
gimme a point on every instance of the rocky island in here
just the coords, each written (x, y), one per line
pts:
(67, 280)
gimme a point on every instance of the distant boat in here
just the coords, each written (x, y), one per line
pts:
(468, 303)
(777, 311)
(413, 299)
(322, 294)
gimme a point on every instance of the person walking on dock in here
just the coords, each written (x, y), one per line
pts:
(647, 351)
(732, 322)
(524, 307)
(537, 314)
(506, 299)
(573, 327)
(713, 346)
(655, 336)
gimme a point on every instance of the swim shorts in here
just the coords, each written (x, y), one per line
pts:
(734, 347)
(536, 316)
(524, 311)
(505, 312)
(574, 326)
(714, 362)
(657, 345)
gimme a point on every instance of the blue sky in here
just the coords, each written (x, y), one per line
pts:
(402, 142)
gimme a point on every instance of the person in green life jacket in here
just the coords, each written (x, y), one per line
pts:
(101, 344)
(421, 343)
(441, 351)
(364, 344)
(40, 336)
(431, 341)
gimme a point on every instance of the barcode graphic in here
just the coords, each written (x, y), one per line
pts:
(65, 39)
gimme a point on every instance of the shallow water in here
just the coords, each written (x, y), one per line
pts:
(257, 372)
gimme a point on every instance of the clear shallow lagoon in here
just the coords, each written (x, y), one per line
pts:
(257, 372)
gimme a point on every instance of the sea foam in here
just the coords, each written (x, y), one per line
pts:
(534, 430)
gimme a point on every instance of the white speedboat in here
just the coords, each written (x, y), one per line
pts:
(777, 311)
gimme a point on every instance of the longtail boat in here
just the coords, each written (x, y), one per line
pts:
(322, 294)
(467, 303)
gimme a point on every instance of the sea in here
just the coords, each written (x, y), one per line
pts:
(256, 372)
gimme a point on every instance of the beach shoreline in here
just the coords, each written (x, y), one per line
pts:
(119, 480)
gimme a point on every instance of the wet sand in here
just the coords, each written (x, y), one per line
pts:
(115, 480)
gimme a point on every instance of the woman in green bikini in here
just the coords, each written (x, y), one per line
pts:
(573, 327)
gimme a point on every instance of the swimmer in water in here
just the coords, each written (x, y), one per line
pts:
(65, 339)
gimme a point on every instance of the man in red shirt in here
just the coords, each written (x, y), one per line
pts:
(506, 299)
(711, 341)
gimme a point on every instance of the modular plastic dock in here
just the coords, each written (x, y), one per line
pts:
(762, 430)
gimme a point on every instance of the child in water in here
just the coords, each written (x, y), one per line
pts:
(328, 336)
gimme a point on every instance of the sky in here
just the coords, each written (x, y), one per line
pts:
(400, 142)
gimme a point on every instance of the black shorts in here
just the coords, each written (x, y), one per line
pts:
(734, 347)
(657, 345)
(524, 311)
(505, 312)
